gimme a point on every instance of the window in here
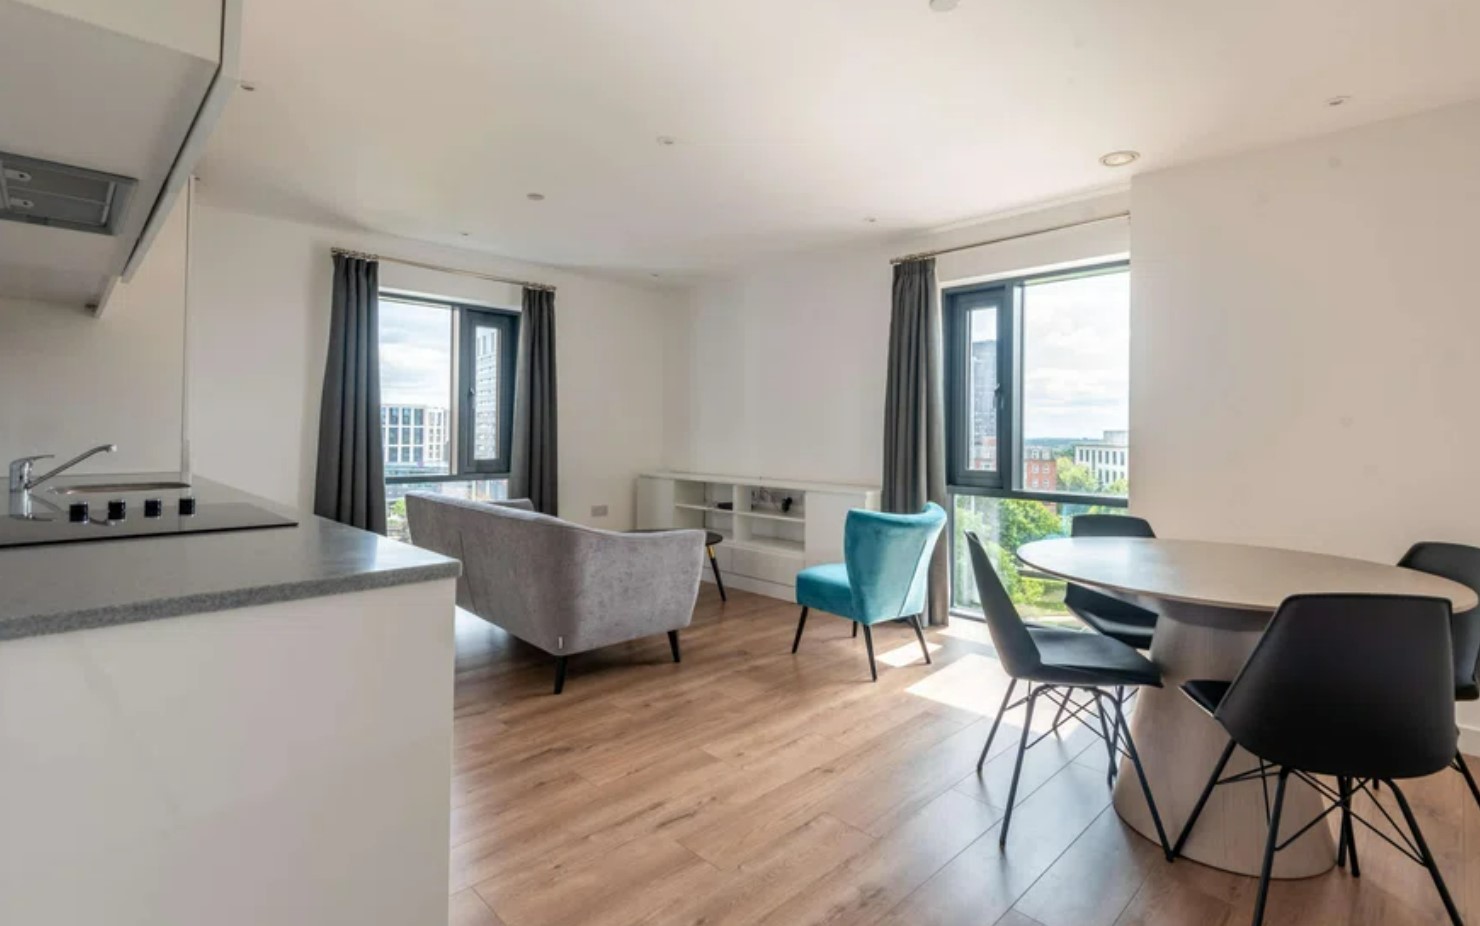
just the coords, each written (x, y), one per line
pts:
(1037, 405)
(447, 398)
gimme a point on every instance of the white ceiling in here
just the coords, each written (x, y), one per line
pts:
(794, 119)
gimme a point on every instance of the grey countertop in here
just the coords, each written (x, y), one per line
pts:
(57, 588)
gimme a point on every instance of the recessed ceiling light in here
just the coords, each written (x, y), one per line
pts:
(1335, 101)
(535, 197)
(943, 6)
(464, 234)
(247, 86)
(667, 141)
(1120, 158)
(870, 219)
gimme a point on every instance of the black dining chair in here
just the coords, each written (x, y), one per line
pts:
(1114, 618)
(1459, 563)
(1356, 688)
(1058, 664)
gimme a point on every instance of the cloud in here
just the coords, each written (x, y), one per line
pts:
(415, 354)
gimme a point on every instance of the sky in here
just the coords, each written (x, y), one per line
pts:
(415, 354)
(1076, 357)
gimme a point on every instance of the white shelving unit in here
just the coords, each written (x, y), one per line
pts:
(768, 540)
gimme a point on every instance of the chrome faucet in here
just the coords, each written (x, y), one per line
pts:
(20, 470)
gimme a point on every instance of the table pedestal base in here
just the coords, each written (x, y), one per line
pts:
(1179, 745)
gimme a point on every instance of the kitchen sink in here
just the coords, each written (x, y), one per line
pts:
(100, 487)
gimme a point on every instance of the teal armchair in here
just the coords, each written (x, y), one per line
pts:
(883, 575)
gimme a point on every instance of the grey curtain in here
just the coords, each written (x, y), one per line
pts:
(350, 486)
(534, 471)
(914, 413)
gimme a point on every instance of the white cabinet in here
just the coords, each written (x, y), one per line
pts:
(773, 528)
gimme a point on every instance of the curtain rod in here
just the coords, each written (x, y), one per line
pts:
(981, 244)
(466, 273)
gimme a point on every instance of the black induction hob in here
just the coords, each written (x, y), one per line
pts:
(45, 517)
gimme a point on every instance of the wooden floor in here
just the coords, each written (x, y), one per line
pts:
(748, 785)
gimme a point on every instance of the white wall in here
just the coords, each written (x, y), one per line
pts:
(260, 308)
(787, 360)
(1305, 341)
(69, 381)
(258, 333)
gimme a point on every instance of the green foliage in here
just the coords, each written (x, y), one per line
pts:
(1076, 477)
(1004, 525)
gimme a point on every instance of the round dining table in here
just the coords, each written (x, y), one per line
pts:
(1213, 601)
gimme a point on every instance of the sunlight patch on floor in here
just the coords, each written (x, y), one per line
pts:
(962, 629)
(976, 683)
(907, 655)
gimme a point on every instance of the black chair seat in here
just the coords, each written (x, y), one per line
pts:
(1206, 693)
(1470, 692)
(1129, 624)
(1073, 657)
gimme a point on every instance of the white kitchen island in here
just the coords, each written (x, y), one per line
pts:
(227, 729)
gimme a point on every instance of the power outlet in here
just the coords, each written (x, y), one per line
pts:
(598, 511)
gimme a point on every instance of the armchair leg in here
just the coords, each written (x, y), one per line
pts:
(920, 635)
(673, 644)
(868, 640)
(560, 673)
(855, 630)
(800, 625)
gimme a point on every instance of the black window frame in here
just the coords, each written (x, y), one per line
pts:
(462, 466)
(1007, 296)
(507, 324)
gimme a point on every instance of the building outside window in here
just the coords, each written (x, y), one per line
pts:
(447, 392)
(1037, 405)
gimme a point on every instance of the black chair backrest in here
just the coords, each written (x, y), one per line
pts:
(1110, 525)
(1355, 685)
(1461, 564)
(1015, 647)
(1104, 525)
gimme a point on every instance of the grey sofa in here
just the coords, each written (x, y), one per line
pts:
(560, 586)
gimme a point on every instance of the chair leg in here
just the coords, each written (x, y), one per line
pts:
(1109, 739)
(1017, 769)
(920, 635)
(800, 624)
(1202, 799)
(855, 630)
(1130, 748)
(996, 722)
(1348, 849)
(868, 640)
(560, 673)
(1425, 854)
(719, 582)
(673, 644)
(1464, 769)
(1270, 843)
(1058, 717)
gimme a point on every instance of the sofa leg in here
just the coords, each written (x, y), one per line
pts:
(800, 625)
(560, 673)
(673, 644)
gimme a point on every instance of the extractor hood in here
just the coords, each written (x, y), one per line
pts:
(105, 107)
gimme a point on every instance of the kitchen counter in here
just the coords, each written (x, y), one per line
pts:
(278, 751)
(57, 588)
